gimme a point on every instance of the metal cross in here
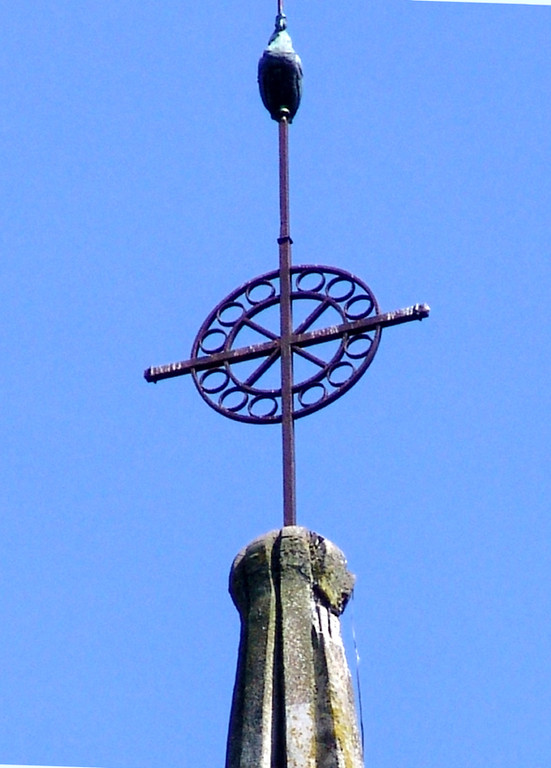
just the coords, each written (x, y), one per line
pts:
(219, 364)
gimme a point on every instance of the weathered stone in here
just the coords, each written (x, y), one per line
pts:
(293, 704)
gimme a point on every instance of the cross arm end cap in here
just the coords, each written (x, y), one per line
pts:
(422, 310)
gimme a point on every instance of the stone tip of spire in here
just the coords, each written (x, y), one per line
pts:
(316, 558)
(293, 701)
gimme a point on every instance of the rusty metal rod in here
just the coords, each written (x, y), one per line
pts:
(286, 331)
(384, 320)
(160, 372)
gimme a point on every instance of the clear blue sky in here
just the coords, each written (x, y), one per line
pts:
(139, 188)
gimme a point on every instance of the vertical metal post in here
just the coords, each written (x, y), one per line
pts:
(286, 328)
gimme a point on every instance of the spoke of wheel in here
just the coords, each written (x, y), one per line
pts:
(310, 357)
(259, 329)
(312, 317)
(262, 369)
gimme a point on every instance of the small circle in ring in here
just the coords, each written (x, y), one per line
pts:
(359, 301)
(219, 379)
(239, 402)
(345, 285)
(315, 391)
(359, 349)
(263, 407)
(255, 293)
(209, 343)
(340, 373)
(230, 313)
(310, 274)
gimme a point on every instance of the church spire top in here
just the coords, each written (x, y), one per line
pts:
(293, 704)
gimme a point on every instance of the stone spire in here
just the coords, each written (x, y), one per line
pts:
(293, 704)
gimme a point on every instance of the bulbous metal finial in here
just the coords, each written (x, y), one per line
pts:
(280, 74)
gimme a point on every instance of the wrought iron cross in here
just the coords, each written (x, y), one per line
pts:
(321, 324)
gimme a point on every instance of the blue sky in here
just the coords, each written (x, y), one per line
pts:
(139, 176)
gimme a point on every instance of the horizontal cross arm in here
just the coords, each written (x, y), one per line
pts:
(158, 373)
(417, 312)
